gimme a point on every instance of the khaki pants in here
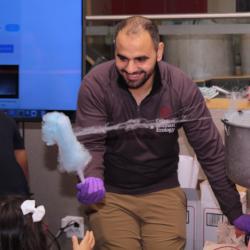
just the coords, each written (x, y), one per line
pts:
(155, 221)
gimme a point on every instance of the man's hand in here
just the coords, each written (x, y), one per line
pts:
(243, 223)
(87, 243)
(91, 191)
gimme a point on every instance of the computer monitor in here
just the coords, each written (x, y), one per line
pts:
(40, 57)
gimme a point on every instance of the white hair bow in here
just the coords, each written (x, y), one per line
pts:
(28, 206)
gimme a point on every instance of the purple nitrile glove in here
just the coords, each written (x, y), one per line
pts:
(243, 223)
(91, 191)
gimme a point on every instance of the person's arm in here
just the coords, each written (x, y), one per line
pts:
(19, 150)
(204, 138)
(91, 111)
(21, 158)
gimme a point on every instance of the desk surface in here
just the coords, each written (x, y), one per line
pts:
(223, 103)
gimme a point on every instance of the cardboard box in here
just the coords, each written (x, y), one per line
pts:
(240, 188)
(211, 213)
(193, 219)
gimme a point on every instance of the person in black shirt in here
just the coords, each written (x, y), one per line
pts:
(14, 177)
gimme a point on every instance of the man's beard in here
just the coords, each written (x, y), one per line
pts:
(137, 84)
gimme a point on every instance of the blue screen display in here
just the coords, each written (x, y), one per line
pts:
(40, 56)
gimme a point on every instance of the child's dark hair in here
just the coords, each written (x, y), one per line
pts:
(18, 231)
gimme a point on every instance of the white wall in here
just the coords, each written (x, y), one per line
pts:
(56, 191)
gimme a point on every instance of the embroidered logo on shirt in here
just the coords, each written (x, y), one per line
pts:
(162, 126)
(165, 112)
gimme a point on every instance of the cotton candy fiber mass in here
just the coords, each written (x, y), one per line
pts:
(73, 156)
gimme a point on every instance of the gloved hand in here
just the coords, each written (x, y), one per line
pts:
(243, 223)
(91, 191)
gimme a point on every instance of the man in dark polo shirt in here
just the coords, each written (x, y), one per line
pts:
(13, 160)
(132, 194)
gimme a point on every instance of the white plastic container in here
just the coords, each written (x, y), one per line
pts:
(185, 170)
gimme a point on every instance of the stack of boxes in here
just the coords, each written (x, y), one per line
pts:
(203, 215)
(193, 219)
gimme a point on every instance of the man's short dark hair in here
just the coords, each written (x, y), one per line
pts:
(136, 25)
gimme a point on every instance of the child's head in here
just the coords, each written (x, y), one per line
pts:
(18, 231)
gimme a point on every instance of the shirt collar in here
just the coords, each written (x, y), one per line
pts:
(157, 84)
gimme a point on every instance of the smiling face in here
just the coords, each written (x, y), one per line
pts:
(136, 58)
